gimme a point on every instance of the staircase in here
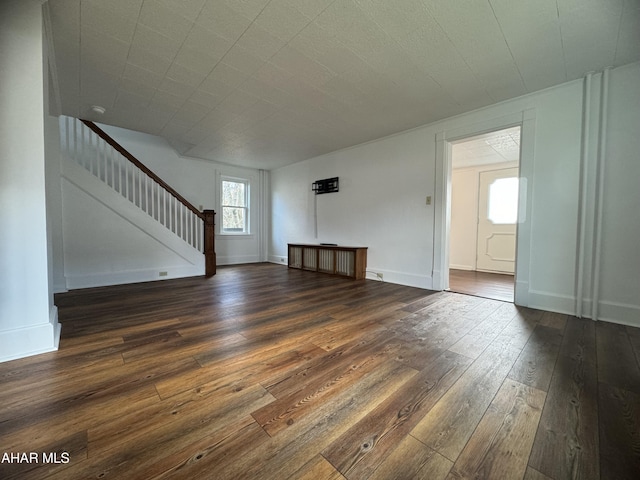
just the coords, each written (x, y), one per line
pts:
(97, 164)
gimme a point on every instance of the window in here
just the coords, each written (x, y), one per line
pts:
(503, 201)
(235, 206)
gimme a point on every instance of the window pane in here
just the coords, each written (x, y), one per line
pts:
(503, 200)
(233, 219)
(233, 193)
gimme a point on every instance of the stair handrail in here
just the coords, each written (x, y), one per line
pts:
(125, 153)
(207, 216)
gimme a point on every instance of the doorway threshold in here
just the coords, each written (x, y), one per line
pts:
(495, 286)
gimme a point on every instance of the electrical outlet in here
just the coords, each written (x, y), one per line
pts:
(163, 274)
(428, 199)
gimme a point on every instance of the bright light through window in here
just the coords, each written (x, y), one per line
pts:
(503, 201)
(235, 206)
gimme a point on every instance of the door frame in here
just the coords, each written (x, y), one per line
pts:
(442, 196)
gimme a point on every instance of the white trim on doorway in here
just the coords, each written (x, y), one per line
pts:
(442, 189)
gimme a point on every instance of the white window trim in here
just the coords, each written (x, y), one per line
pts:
(247, 193)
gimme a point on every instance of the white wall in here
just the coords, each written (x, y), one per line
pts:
(619, 286)
(380, 205)
(383, 184)
(28, 318)
(464, 214)
(464, 219)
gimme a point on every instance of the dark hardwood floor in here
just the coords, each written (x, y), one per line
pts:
(263, 372)
(482, 284)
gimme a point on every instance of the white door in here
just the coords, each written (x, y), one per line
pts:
(497, 219)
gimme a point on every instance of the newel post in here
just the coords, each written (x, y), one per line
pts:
(209, 243)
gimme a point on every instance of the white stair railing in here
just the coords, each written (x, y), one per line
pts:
(86, 148)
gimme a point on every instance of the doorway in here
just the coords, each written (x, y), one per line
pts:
(484, 214)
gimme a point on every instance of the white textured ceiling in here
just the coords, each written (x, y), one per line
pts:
(265, 83)
(489, 148)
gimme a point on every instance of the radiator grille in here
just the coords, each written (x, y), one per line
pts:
(295, 257)
(344, 263)
(310, 259)
(325, 261)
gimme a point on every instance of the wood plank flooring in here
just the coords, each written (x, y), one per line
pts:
(482, 284)
(264, 372)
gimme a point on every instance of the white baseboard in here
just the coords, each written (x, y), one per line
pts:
(32, 340)
(621, 313)
(236, 259)
(461, 267)
(402, 278)
(132, 276)
(279, 259)
(552, 302)
(390, 276)
(613, 312)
